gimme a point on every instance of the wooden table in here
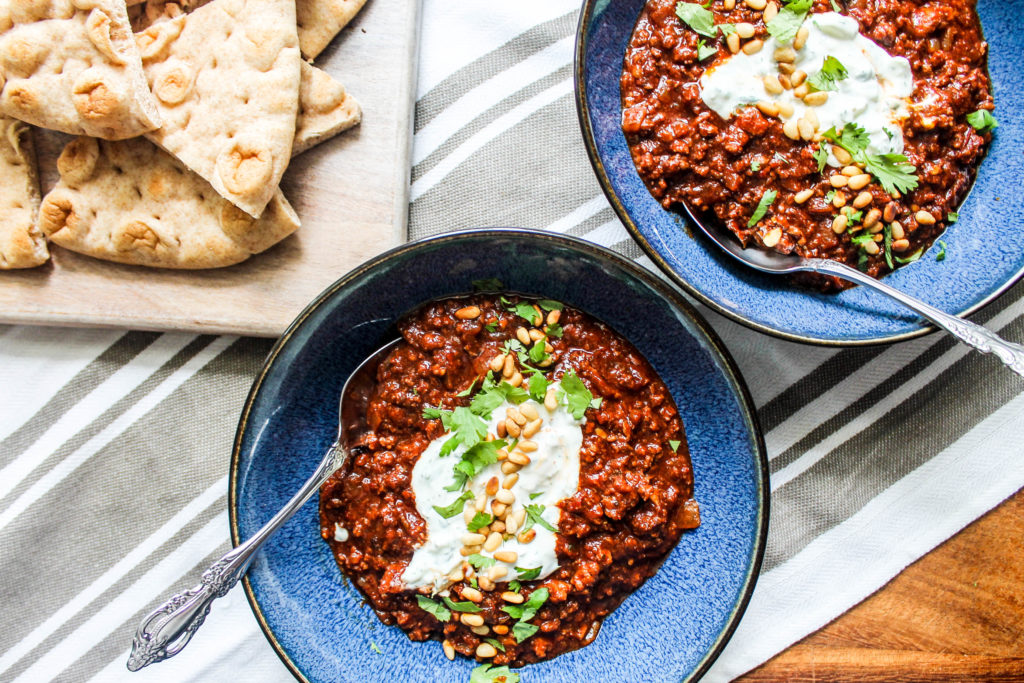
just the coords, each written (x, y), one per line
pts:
(957, 614)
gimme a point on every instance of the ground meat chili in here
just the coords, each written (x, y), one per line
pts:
(635, 483)
(685, 152)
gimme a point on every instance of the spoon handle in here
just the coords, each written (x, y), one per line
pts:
(165, 631)
(973, 335)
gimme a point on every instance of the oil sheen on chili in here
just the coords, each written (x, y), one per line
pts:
(739, 124)
(519, 470)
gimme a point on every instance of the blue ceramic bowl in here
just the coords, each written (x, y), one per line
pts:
(985, 253)
(669, 630)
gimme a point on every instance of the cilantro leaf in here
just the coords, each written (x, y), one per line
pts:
(554, 330)
(853, 138)
(578, 397)
(537, 352)
(456, 507)
(535, 496)
(528, 574)
(491, 327)
(523, 309)
(528, 610)
(496, 643)
(550, 305)
(910, 259)
(480, 561)
(755, 166)
(862, 239)
(431, 413)
(492, 395)
(786, 23)
(829, 196)
(491, 284)
(479, 456)
(982, 120)
(952, 217)
(821, 156)
(832, 71)
(696, 17)
(704, 50)
(488, 673)
(887, 243)
(726, 29)
(465, 606)
(893, 171)
(674, 445)
(479, 521)
(762, 207)
(538, 386)
(439, 611)
(376, 648)
(941, 256)
(514, 585)
(523, 630)
(781, 159)
(533, 516)
(468, 390)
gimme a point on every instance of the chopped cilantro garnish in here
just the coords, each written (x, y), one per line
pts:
(786, 23)
(982, 120)
(432, 413)
(439, 611)
(952, 217)
(537, 352)
(578, 397)
(909, 259)
(523, 309)
(941, 256)
(674, 445)
(538, 386)
(887, 243)
(456, 507)
(514, 585)
(468, 390)
(491, 327)
(554, 330)
(704, 50)
(892, 170)
(550, 305)
(474, 459)
(726, 29)
(821, 156)
(533, 516)
(755, 165)
(536, 495)
(376, 648)
(479, 521)
(465, 606)
(696, 17)
(496, 643)
(862, 239)
(491, 284)
(832, 71)
(852, 138)
(528, 609)
(523, 630)
(829, 196)
(480, 561)
(781, 159)
(528, 574)
(762, 207)
(488, 673)
(492, 395)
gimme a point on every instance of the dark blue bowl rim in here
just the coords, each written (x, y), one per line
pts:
(748, 413)
(583, 114)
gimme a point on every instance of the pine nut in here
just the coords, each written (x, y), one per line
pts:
(480, 630)
(733, 42)
(805, 128)
(492, 486)
(485, 650)
(768, 108)
(497, 362)
(468, 313)
(509, 467)
(554, 316)
(551, 400)
(481, 502)
(472, 619)
(497, 572)
(514, 598)
(499, 526)
(860, 181)
(498, 508)
(801, 38)
(472, 594)
(862, 200)
(536, 335)
(786, 55)
(516, 379)
(527, 536)
(522, 335)
(841, 155)
(801, 91)
(787, 69)
(770, 10)
(839, 224)
(872, 217)
(508, 368)
(730, 4)
(485, 583)
(871, 248)
(812, 118)
(511, 525)
(513, 414)
(850, 171)
(469, 511)
(745, 30)
(456, 575)
(527, 446)
(876, 228)
(513, 429)
(510, 480)
(785, 109)
(839, 199)
(520, 517)
(924, 218)
(756, 4)
(898, 232)
(473, 539)
(468, 550)
(900, 245)
(753, 47)
(838, 180)
(791, 129)
(816, 99)
(493, 542)
(505, 496)
(449, 650)
(772, 237)
(889, 213)
(509, 556)
(529, 410)
(532, 428)
(519, 458)
(803, 195)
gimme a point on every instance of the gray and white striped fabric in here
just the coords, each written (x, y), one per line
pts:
(877, 455)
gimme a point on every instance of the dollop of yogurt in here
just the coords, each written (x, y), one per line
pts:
(552, 475)
(875, 94)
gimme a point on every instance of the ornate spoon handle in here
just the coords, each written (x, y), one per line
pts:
(168, 628)
(973, 335)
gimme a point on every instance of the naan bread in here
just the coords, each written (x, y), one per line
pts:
(72, 65)
(325, 109)
(21, 243)
(321, 20)
(131, 202)
(226, 78)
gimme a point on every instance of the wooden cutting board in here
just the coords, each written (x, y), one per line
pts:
(351, 194)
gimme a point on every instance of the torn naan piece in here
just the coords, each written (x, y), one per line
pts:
(320, 20)
(72, 65)
(132, 202)
(21, 243)
(226, 78)
(325, 109)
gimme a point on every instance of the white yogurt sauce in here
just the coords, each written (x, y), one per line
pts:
(553, 474)
(874, 95)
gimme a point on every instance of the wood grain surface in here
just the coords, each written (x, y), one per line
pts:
(351, 194)
(957, 614)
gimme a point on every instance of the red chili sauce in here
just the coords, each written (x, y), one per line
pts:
(635, 490)
(685, 152)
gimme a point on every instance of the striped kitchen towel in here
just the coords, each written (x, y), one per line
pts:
(877, 454)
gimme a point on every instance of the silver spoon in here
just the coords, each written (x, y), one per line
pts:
(168, 628)
(973, 335)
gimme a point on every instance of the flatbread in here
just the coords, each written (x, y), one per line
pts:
(226, 78)
(320, 20)
(72, 65)
(21, 243)
(131, 202)
(325, 109)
